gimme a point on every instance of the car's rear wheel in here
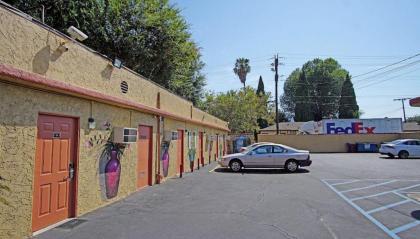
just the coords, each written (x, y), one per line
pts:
(291, 166)
(403, 154)
(235, 165)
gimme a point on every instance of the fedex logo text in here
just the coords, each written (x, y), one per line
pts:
(356, 128)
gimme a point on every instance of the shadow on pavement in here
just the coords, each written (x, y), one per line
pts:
(416, 214)
(261, 171)
(396, 158)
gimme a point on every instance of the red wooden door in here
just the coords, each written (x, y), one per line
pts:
(54, 196)
(200, 148)
(144, 156)
(180, 148)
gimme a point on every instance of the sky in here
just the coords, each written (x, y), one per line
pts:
(362, 35)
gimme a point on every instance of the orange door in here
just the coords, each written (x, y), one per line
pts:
(224, 145)
(54, 184)
(144, 156)
(217, 147)
(200, 147)
(180, 156)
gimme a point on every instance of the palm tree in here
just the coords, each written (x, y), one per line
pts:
(241, 69)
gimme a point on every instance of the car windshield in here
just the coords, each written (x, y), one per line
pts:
(249, 148)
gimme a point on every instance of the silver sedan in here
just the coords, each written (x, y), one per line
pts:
(267, 155)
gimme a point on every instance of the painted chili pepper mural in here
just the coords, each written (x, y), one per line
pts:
(165, 158)
(112, 175)
(110, 169)
(191, 149)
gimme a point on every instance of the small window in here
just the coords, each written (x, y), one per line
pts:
(263, 150)
(278, 149)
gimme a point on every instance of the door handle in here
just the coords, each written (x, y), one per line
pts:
(71, 171)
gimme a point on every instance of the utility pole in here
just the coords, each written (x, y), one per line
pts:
(276, 79)
(402, 102)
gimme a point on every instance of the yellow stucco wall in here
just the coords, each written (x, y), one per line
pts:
(331, 143)
(19, 111)
(32, 48)
(35, 49)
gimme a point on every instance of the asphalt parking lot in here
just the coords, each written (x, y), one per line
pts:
(338, 196)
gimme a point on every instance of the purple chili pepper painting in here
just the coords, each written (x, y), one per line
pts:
(165, 161)
(112, 175)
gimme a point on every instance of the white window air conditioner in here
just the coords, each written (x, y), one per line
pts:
(124, 135)
(170, 135)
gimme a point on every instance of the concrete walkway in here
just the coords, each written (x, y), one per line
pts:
(253, 204)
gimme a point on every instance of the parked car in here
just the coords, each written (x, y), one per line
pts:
(267, 155)
(403, 148)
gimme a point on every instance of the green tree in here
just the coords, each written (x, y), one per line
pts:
(150, 36)
(282, 117)
(348, 107)
(260, 88)
(415, 118)
(320, 95)
(242, 68)
(242, 109)
(303, 109)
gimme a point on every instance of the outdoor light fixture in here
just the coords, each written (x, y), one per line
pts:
(117, 63)
(92, 123)
(76, 33)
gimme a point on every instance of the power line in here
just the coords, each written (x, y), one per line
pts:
(382, 74)
(381, 68)
(388, 112)
(381, 81)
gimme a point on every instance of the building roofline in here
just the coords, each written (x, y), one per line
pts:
(11, 74)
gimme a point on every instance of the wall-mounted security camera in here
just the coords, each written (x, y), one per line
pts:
(76, 33)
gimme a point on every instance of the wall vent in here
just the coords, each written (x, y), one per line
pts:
(124, 87)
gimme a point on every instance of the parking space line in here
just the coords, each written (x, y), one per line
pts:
(388, 206)
(372, 219)
(406, 226)
(211, 171)
(353, 181)
(367, 187)
(405, 197)
(386, 192)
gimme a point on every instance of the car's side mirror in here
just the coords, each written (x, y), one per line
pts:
(251, 153)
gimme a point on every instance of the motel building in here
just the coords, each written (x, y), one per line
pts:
(78, 133)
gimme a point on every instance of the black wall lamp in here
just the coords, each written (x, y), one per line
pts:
(91, 123)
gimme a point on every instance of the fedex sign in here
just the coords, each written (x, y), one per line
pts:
(362, 126)
(355, 128)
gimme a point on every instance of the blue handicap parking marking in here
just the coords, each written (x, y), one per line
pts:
(384, 202)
